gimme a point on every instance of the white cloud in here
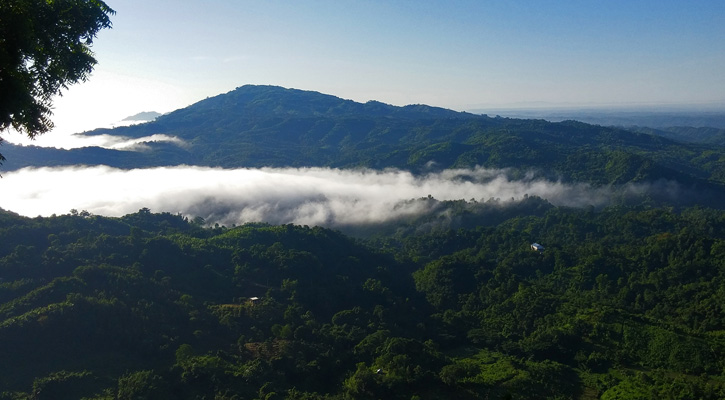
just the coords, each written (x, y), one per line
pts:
(110, 142)
(311, 196)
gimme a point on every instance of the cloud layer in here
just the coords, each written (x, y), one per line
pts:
(311, 196)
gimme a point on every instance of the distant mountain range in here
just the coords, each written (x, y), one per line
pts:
(688, 134)
(268, 126)
(707, 116)
(143, 116)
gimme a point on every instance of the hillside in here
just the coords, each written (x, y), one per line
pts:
(625, 301)
(687, 134)
(143, 116)
(256, 126)
(622, 304)
(659, 117)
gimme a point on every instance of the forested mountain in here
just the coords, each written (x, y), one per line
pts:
(621, 304)
(143, 116)
(659, 117)
(687, 134)
(625, 301)
(256, 126)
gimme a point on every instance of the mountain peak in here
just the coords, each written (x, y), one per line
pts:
(277, 100)
(143, 116)
(271, 126)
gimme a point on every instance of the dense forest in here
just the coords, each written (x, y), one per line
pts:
(688, 134)
(626, 302)
(268, 126)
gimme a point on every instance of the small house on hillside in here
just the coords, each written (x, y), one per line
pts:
(537, 247)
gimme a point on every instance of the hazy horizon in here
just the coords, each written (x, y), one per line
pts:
(164, 55)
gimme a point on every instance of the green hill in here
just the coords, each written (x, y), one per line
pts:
(266, 126)
(624, 303)
(687, 134)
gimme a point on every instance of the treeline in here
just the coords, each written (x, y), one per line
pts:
(623, 303)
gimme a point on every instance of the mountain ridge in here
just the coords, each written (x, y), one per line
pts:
(269, 126)
(143, 116)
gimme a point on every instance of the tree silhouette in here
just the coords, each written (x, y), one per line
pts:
(44, 47)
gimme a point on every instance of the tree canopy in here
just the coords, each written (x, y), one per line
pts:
(624, 303)
(44, 47)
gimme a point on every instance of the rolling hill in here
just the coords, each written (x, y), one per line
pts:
(268, 126)
(624, 302)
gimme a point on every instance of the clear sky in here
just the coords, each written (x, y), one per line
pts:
(166, 54)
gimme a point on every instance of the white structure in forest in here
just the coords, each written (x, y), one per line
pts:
(537, 247)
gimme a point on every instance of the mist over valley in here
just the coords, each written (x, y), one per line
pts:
(269, 154)
(404, 200)
(304, 196)
(287, 239)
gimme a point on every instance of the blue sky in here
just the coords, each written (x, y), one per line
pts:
(162, 55)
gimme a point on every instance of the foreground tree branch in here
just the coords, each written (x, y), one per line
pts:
(44, 48)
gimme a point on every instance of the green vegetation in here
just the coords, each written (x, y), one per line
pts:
(266, 126)
(687, 134)
(624, 303)
(45, 47)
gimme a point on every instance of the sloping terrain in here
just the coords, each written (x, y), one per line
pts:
(625, 303)
(687, 134)
(267, 126)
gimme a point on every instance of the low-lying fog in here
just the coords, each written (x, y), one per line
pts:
(311, 196)
(106, 141)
